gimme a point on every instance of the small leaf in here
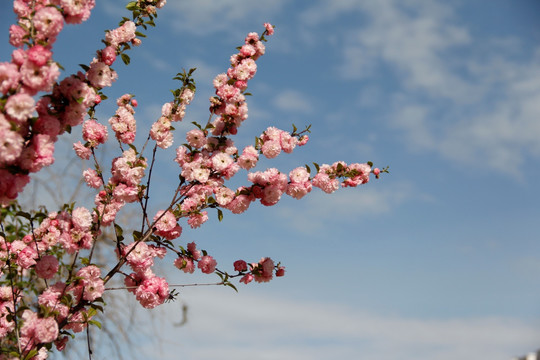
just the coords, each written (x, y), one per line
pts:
(219, 214)
(132, 5)
(125, 59)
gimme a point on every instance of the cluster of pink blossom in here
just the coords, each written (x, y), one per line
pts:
(149, 289)
(123, 122)
(123, 187)
(187, 259)
(263, 271)
(30, 139)
(29, 144)
(207, 160)
(230, 103)
(274, 140)
(327, 178)
(161, 130)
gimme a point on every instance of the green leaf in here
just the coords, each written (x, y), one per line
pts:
(132, 5)
(125, 59)
(308, 169)
(84, 67)
(95, 322)
(136, 235)
(232, 286)
(370, 163)
(219, 214)
(24, 215)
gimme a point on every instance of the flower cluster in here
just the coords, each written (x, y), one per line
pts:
(33, 259)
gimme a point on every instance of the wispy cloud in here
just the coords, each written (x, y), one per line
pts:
(472, 100)
(252, 325)
(292, 100)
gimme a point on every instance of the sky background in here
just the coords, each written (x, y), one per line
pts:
(438, 260)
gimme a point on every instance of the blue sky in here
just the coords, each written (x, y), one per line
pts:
(437, 260)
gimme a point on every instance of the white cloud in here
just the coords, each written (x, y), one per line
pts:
(474, 101)
(215, 16)
(250, 325)
(292, 100)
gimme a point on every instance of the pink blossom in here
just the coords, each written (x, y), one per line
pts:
(263, 271)
(249, 158)
(196, 220)
(92, 178)
(100, 74)
(122, 34)
(20, 106)
(82, 219)
(82, 151)
(108, 55)
(39, 55)
(9, 77)
(161, 132)
(196, 138)
(271, 149)
(46, 330)
(16, 35)
(166, 225)
(78, 11)
(221, 161)
(11, 145)
(48, 22)
(94, 132)
(92, 283)
(11, 185)
(280, 271)
(47, 267)
(192, 249)
(207, 264)
(269, 28)
(185, 264)
(240, 265)
(303, 140)
(246, 279)
(153, 291)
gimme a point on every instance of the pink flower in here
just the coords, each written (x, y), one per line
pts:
(271, 149)
(192, 249)
(240, 265)
(47, 267)
(82, 151)
(46, 330)
(207, 264)
(122, 34)
(11, 145)
(100, 74)
(92, 178)
(263, 271)
(92, 283)
(94, 132)
(39, 55)
(153, 291)
(161, 132)
(108, 55)
(196, 138)
(269, 28)
(166, 225)
(196, 220)
(246, 279)
(48, 22)
(82, 219)
(185, 264)
(20, 106)
(9, 77)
